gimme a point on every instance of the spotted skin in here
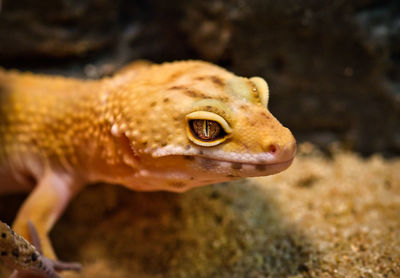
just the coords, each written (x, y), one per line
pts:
(59, 134)
(25, 258)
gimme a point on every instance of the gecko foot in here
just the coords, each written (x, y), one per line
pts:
(48, 267)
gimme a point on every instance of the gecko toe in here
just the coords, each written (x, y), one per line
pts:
(49, 265)
(61, 266)
(34, 235)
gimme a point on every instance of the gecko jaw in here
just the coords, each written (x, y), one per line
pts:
(235, 169)
(283, 155)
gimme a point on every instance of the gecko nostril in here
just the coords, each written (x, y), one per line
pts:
(272, 148)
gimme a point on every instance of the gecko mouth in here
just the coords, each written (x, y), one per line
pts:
(248, 165)
(255, 164)
(243, 169)
(279, 155)
(234, 164)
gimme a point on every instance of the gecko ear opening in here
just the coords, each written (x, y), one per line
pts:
(206, 128)
(262, 88)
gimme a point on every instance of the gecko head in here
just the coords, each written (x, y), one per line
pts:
(198, 124)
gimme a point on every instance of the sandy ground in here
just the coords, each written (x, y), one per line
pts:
(324, 217)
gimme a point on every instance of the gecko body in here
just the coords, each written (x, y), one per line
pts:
(172, 127)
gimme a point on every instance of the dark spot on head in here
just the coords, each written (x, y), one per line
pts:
(236, 166)
(177, 88)
(166, 99)
(3, 235)
(3, 253)
(191, 178)
(217, 81)
(264, 115)
(34, 257)
(193, 93)
(144, 143)
(197, 94)
(208, 163)
(260, 167)
(152, 104)
(15, 252)
(189, 92)
(251, 122)
(188, 157)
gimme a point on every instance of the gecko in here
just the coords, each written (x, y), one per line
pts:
(26, 258)
(170, 126)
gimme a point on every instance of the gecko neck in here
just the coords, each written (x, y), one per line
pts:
(47, 121)
(111, 158)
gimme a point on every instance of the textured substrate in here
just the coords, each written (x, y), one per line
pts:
(324, 217)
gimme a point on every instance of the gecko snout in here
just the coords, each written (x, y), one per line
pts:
(280, 152)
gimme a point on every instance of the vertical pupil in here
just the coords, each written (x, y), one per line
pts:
(206, 129)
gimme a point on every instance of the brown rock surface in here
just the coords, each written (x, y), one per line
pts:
(34, 30)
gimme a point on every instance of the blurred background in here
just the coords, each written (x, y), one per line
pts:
(333, 66)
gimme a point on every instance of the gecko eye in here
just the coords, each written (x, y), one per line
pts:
(207, 128)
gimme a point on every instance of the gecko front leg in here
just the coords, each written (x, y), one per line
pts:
(44, 206)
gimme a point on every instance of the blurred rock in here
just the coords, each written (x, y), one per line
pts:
(333, 68)
(61, 28)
